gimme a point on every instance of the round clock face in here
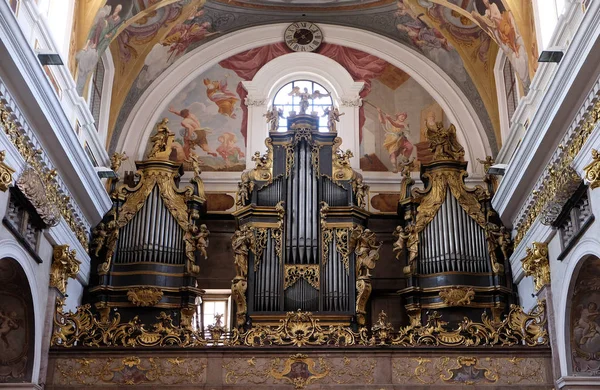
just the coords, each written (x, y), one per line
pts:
(303, 36)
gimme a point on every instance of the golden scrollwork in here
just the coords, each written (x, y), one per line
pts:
(342, 170)
(84, 329)
(144, 296)
(457, 296)
(6, 172)
(260, 237)
(592, 170)
(32, 156)
(64, 266)
(547, 193)
(298, 329)
(295, 272)
(537, 264)
(130, 370)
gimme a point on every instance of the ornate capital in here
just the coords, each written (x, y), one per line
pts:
(144, 296)
(254, 101)
(6, 173)
(537, 265)
(592, 170)
(351, 101)
(64, 266)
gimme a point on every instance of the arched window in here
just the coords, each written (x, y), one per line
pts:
(289, 103)
(510, 89)
(96, 86)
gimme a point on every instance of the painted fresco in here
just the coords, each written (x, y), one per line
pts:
(206, 118)
(585, 320)
(15, 324)
(396, 111)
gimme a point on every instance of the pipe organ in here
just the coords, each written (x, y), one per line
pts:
(454, 242)
(148, 246)
(301, 242)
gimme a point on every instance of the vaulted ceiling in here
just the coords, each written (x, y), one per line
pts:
(462, 37)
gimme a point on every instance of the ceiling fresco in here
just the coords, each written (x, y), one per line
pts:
(462, 37)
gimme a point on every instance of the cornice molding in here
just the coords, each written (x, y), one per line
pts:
(545, 131)
(53, 128)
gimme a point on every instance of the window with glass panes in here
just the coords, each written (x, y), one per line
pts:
(96, 96)
(289, 103)
(212, 307)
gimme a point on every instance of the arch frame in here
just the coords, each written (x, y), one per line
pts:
(11, 249)
(433, 79)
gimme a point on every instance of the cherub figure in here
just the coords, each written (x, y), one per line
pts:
(361, 192)
(8, 323)
(99, 238)
(116, 160)
(398, 246)
(202, 240)
(333, 116)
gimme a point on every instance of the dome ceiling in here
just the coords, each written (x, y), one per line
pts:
(462, 37)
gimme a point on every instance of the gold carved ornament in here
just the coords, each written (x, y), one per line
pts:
(84, 329)
(241, 242)
(6, 172)
(64, 266)
(457, 296)
(298, 329)
(295, 272)
(33, 187)
(144, 296)
(61, 203)
(342, 170)
(537, 265)
(561, 179)
(592, 170)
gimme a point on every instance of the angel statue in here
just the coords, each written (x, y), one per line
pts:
(333, 116)
(305, 97)
(273, 116)
(202, 240)
(241, 243)
(195, 162)
(366, 249)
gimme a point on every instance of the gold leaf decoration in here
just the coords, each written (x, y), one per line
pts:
(592, 170)
(537, 264)
(295, 272)
(144, 296)
(6, 172)
(64, 266)
(457, 296)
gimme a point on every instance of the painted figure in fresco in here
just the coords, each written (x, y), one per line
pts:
(396, 142)
(499, 22)
(305, 97)
(419, 33)
(587, 323)
(8, 323)
(228, 149)
(183, 35)
(218, 93)
(194, 133)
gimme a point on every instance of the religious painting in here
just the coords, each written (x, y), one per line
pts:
(585, 320)
(397, 110)
(16, 318)
(206, 118)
